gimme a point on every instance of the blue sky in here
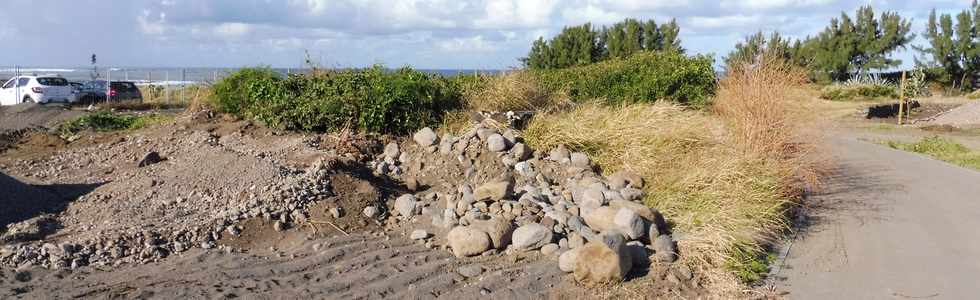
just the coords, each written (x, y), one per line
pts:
(435, 34)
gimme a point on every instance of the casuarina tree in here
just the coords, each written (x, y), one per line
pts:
(580, 45)
(858, 45)
(953, 48)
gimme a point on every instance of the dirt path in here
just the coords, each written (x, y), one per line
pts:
(889, 225)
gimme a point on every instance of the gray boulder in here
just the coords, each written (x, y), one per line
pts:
(498, 229)
(622, 179)
(425, 137)
(560, 154)
(603, 262)
(567, 260)
(521, 151)
(405, 205)
(466, 241)
(580, 160)
(392, 151)
(495, 190)
(531, 236)
(496, 143)
(665, 251)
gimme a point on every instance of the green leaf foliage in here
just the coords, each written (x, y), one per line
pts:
(953, 48)
(857, 45)
(583, 44)
(642, 77)
(373, 100)
(231, 93)
(752, 49)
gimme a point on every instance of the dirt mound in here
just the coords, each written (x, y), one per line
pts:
(204, 184)
(30, 115)
(966, 115)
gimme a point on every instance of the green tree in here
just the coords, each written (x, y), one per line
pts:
(582, 45)
(754, 46)
(953, 48)
(574, 46)
(858, 45)
(671, 40)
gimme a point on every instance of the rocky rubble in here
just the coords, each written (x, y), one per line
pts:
(159, 195)
(487, 193)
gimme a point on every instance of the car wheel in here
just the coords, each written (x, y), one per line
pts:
(28, 100)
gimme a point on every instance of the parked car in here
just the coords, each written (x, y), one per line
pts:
(37, 89)
(121, 90)
(76, 86)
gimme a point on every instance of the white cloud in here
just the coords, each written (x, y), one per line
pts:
(734, 21)
(591, 13)
(771, 4)
(232, 30)
(474, 44)
(643, 5)
(501, 14)
(152, 27)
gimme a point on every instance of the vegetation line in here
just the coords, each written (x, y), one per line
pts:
(943, 149)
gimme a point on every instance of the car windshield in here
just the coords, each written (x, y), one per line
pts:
(52, 81)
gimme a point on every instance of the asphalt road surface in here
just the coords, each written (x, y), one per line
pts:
(888, 225)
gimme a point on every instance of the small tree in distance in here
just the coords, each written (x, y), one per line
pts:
(858, 45)
(582, 45)
(775, 46)
(953, 49)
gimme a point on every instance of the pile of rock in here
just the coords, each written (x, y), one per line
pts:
(490, 193)
(283, 204)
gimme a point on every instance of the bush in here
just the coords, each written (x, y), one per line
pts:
(858, 92)
(642, 77)
(106, 121)
(374, 100)
(230, 96)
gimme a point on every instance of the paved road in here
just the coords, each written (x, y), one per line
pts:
(888, 225)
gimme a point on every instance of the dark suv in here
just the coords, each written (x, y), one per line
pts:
(121, 90)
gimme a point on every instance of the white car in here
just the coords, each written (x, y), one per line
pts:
(37, 89)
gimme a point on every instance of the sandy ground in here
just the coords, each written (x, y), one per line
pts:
(359, 266)
(888, 224)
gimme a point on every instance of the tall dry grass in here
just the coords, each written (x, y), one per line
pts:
(726, 179)
(192, 97)
(511, 91)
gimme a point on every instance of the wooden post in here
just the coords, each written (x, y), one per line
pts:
(901, 99)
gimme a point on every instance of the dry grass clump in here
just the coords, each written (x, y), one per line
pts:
(974, 95)
(725, 181)
(511, 91)
(762, 107)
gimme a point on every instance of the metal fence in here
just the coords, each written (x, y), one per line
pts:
(166, 85)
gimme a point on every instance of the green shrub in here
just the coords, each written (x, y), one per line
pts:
(106, 121)
(858, 92)
(642, 77)
(231, 94)
(943, 149)
(374, 100)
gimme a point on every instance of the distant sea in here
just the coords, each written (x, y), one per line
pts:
(174, 76)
